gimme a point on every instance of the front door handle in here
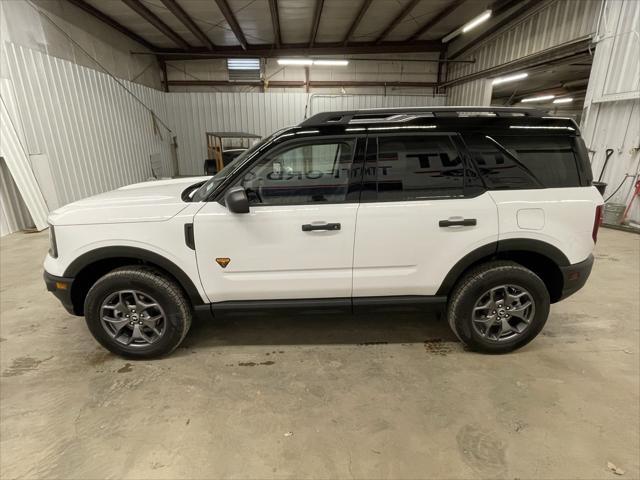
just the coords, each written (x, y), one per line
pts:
(463, 222)
(310, 227)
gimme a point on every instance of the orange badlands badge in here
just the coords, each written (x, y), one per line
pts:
(223, 262)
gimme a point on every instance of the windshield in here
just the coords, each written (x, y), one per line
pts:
(203, 192)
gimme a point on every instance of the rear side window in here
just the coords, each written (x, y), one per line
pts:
(418, 167)
(532, 161)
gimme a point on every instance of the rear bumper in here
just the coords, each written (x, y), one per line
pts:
(575, 276)
(61, 289)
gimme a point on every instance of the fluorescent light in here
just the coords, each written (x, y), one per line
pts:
(509, 78)
(541, 98)
(340, 63)
(308, 61)
(563, 100)
(483, 17)
(295, 61)
(243, 63)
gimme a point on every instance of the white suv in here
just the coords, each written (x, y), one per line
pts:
(487, 212)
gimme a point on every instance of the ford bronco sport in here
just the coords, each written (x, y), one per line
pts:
(488, 212)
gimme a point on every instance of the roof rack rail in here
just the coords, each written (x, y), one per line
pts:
(404, 114)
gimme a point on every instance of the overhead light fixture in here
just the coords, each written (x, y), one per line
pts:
(243, 63)
(509, 78)
(541, 98)
(309, 61)
(483, 17)
(337, 63)
(563, 100)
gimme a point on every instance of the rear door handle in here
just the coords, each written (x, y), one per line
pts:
(310, 227)
(464, 222)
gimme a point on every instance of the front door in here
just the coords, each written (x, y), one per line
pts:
(297, 240)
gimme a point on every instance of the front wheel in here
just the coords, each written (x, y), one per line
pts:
(498, 307)
(136, 312)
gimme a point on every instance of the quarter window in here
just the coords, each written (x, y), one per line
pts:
(302, 174)
(418, 167)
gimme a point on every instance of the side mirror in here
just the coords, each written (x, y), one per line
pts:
(236, 200)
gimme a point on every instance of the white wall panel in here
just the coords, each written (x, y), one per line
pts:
(96, 135)
(474, 93)
(14, 215)
(193, 114)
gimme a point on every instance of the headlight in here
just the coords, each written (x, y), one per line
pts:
(53, 246)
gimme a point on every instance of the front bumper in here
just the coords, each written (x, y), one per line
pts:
(575, 276)
(61, 289)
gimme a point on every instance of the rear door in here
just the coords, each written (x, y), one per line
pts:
(297, 240)
(422, 209)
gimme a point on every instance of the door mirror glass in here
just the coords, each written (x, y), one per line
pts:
(236, 200)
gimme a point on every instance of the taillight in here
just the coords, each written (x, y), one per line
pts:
(596, 223)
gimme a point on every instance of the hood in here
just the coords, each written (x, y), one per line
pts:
(152, 201)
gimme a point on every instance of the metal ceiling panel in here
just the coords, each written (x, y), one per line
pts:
(424, 11)
(255, 19)
(296, 18)
(336, 19)
(170, 19)
(418, 16)
(210, 20)
(379, 15)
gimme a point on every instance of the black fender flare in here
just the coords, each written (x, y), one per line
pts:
(494, 249)
(147, 256)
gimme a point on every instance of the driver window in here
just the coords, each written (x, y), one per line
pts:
(310, 173)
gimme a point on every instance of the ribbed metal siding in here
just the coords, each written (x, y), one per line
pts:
(14, 215)
(475, 93)
(327, 103)
(553, 23)
(193, 114)
(96, 136)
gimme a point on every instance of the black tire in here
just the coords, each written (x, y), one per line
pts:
(165, 292)
(478, 281)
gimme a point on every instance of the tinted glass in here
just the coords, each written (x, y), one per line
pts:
(310, 173)
(498, 169)
(418, 167)
(549, 158)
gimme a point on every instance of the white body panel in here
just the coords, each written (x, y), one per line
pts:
(401, 250)
(562, 217)
(271, 257)
(151, 201)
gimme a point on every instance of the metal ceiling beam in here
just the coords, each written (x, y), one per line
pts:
(437, 18)
(394, 23)
(270, 51)
(316, 22)
(188, 22)
(356, 21)
(90, 9)
(495, 27)
(275, 22)
(298, 84)
(151, 17)
(233, 23)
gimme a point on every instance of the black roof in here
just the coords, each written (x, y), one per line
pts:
(404, 114)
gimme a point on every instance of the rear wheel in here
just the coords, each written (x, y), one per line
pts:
(498, 307)
(137, 313)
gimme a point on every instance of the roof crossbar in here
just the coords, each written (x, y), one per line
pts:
(404, 114)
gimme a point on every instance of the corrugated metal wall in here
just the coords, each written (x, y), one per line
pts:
(95, 134)
(476, 93)
(193, 114)
(611, 116)
(14, 215)
(551, 24)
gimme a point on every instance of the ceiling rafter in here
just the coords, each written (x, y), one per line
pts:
(394, 23)
(188, 22)
(233, 23)
(356, 21)
(316, 21)
(275, 22)
(90, 9)
(437, 18)
(154, 20)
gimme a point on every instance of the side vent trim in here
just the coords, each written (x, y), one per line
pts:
(188, 236)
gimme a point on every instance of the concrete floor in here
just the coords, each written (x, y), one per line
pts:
(390, 396)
